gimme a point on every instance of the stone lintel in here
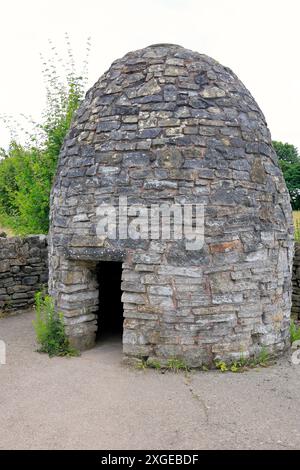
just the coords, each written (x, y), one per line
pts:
(94, 254)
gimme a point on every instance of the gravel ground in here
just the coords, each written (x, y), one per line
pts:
(96, 402)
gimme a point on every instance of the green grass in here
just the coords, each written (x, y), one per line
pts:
(296, 218)
(50, 329)
(294, 331)
(176, 365)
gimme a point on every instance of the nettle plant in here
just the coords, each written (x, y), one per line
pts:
(50, 329)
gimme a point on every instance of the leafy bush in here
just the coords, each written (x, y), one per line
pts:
(25, 183)
(49, 328)
(27, 170)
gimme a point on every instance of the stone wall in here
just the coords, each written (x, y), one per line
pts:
(23, 270)
(296, 282)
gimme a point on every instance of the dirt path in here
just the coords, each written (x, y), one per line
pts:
(96, 402)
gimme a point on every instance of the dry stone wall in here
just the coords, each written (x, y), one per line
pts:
(23, 270)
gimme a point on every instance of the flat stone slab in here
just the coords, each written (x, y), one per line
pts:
(95, 254)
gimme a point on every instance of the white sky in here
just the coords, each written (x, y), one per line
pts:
(258, 39)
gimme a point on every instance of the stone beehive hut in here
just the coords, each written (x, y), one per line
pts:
(168, 125)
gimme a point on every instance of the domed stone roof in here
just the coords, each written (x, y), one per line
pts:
(168, 125)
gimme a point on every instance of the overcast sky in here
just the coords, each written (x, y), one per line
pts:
(258, 39)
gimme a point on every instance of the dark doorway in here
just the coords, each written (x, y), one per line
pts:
(110, 313)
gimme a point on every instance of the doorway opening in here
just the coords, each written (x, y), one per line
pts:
(110, 312)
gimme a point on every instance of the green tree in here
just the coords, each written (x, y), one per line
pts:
(27, 171)
(289, 161)
(286, 152)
